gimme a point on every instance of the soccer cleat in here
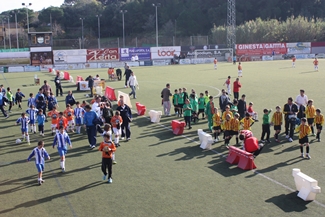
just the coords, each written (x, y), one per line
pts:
(7, 117)
(308, 156)
(190, 128)
(63, 170)
(104, 177)
(39, 183)
(277, 140)
(34, 132)
(128, 139)
(268, 141)
(318, 140)
(110, 180)
(93, 146)
(122, 138)
(114, 162)
(262, 141)
(42, 180)
(290, 139)
(216, 140)
(287, 136)
(313, 134)
(227, 146)
(302, 155)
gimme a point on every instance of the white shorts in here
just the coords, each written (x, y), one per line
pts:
(53, 125)
(240, 72)
(251, 113)
(116, 131)
(71, 122)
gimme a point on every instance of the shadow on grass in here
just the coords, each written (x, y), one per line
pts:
(225, 169)
(307, 72)
(289, 202)
(189, 152)
(33, 203)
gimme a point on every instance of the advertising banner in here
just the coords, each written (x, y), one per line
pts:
(261, 49)
(41, 58)
(15, 58)
(184, 61)
(267, 58)
(32, 68)
(160, 62)
(69, 56)
(102, 55)
(127, 53)
(165, 52)
(83, 85)
(188, 51)
(299, 48)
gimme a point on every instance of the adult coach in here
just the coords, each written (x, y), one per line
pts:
(290, 111)
(47, 90)
(127, 74)
(237, 86)
(132, 83)
(3, 99)
(301, 99)
(242, 108)
(223, 100)
(165, 95)
(126, 115)
(89, 118)
(90, 80)
(58, 87)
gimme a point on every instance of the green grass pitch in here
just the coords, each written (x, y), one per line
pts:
(157, 173)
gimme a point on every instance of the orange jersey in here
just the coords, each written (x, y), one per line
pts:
(315, 62)
(62, 122)
(109, 145)
(225, 113)
(215, 61)
(92, 101)
(235, 124)
(240, 67)
(294, 59)
(54, 116)
(115, 120)
(110, 71)
(69, 114)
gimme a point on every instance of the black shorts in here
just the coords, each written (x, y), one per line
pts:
(277, 127)
(227, 133)
(310, 121)
(319, 127)
(201, 110)
(216, 128)
(234, 132)
(303, 140)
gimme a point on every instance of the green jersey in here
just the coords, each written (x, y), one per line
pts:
(175, 99)
(194, 104)
(266, 117)
(181, 98)
(9, 96)
(201, 103)
(187, 110)
(206, 99)
(234, 109)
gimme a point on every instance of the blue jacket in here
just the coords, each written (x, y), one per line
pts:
(89, 117)
(41, 119)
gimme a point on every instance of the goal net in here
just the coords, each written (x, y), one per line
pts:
(208, 55)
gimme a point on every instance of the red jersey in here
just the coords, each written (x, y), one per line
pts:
(228, 81)
(237, 86)
(251, 144)
(250, 109)
(215, 61)
(294, 59)
(315, 62)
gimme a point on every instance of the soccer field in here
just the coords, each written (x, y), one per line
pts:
(158, 173)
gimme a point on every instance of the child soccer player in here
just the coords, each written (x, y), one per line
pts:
(201, 102)
(240, 70)
(277, 122)
(316, 64)
(175, 102)
(19, 98)
(83, 105)
(215, 62)
(107, 147)
(40, 154)
(226, 112)
(266, 125)
(187, 110)
(294, 62)
(24, 120)
(40, 121)
(31, 100)
(116, 122)
(234, 108)
(180, 101)
(32, 113)
(69, 115)
(304, 130)
(247, 122)
(235, 127)
(54, 114)
(251, 111)
(108, 130)
(62, 121)
(319, 121)
(216, 124)
(195, 107)
(227, 126)
(10, 99)
(61, 139)
(78, 113)
(228, 83)
(310, 115)
(51, 102)
(206, 97)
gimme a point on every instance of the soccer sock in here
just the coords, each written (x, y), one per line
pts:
(301, 149)
(113, 158)
(237, 140)
(276, 135)
(318, 135)
(116, 140)
(312, 129)
(61, 164)
(218, 133)
(23, 136)
(27, 137)
(34, 128)
(307, 149)
(215, 135)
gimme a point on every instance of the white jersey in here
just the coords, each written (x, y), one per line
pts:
(40, 154)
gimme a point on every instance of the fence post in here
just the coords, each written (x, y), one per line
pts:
(118, 42)
(79, 43)
(136, 41)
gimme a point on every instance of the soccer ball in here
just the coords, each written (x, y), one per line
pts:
(87, 95)
(18, 141)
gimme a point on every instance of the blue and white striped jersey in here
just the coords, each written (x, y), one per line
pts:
(23, 121)
(62, 140)
(32, 113)
(31, 101)
(79, 112)
(40, 154)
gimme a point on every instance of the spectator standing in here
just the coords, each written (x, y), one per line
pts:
(301, 99)
(242, 108)
(90, 84)
(58, 87)
(290, 111)
(127, 75)
(47, 90)
(132, 83)
(165, 95)
(3, 99)
(223, 100)
(126, 115)
(237, 86)
(89, 118)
